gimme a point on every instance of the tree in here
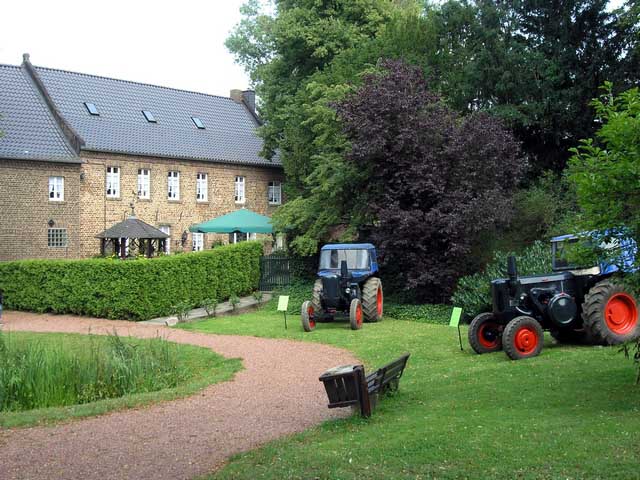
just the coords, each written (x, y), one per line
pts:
(282, 51)
(431, 180)
(605, 170)
(535, 64)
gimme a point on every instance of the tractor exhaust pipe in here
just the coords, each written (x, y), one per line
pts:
(512, 268)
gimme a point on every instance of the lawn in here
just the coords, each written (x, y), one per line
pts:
(572, 412)
(49, 377)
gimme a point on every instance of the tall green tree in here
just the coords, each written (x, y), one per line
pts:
(532, 63)
(606, 169)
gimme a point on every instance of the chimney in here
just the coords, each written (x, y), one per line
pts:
(25, 58)
(236, 95)
(247, 97)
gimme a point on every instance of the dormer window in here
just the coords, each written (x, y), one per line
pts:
(198, 123)
(149, 116)
(91, 108)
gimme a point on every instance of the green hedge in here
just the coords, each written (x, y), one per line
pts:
(423, 313)
(133, 289)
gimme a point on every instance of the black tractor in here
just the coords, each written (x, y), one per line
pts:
(347, 284)
(577, 305)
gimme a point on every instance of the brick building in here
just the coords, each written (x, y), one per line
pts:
(76, 150)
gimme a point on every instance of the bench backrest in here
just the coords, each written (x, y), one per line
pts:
(389, 372)
(395, 368)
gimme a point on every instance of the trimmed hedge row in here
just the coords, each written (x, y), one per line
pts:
(137, 289)
(423, 313)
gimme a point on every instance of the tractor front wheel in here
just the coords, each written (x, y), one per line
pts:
(522, 338)
(355, 314)
(485, 334)
(308, 316)
(610, 313)
(372, 300)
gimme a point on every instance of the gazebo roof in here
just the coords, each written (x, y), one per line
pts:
(242, 220)
(132, 227)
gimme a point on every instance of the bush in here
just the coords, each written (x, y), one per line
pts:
(210, 305)
(181, 311)
(137, 289)
(473, 292)
(298, 291)
(426, 313)
(234, 300)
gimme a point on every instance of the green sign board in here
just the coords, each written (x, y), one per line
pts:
(283, 303)
(455, 317)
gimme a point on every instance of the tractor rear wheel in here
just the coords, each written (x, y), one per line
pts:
(522, 338)
(308, 316)
(372, 300)
(610, 313)
(315, 300)
(356, 314)
(485, 334)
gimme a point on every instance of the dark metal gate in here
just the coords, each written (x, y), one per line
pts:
(275, 271)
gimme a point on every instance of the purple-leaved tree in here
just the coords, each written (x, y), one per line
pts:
(435, 181)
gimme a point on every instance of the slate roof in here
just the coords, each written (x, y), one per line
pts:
(29, 131)
(132, 227)
(230, 134)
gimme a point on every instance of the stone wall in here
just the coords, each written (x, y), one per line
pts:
(25, 209)
(99, 212)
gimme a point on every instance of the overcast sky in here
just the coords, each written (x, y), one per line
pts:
(177, 43)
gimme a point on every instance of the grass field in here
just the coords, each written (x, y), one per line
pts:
(573, 412)
(70, 375)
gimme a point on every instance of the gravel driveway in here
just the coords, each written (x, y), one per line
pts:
(277, 394)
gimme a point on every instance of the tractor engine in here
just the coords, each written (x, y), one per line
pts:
(331, 291)
(550, 299)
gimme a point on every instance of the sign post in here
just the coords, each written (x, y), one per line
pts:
(283, 304)
(456, 314)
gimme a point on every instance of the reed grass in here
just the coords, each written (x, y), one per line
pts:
(38, 373)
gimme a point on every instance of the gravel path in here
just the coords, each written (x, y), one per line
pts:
(277, 394)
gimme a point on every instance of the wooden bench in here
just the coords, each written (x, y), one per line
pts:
(349, 386)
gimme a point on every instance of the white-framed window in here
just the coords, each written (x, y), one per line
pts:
(202, 189)
(113, 182)
(274, 192)
(173, 185)
(57, 237)
(239, 190)
(198, 241)
(56, 189)
(144, 183)
(167, 243)
(237, 237)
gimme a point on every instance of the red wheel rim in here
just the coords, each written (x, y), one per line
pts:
(379, 301)
(310, 313)
(359, 314)
(621, 313)
(488, 335)
(526, 340)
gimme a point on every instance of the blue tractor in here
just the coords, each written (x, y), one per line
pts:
(347, 284)
(585, 304)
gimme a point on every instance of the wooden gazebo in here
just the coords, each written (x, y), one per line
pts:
(133, 235)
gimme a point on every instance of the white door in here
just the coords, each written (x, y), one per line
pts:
(167, 243)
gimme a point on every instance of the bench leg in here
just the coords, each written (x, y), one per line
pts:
(365, 402)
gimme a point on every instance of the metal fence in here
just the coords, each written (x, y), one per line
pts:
(275, 271)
